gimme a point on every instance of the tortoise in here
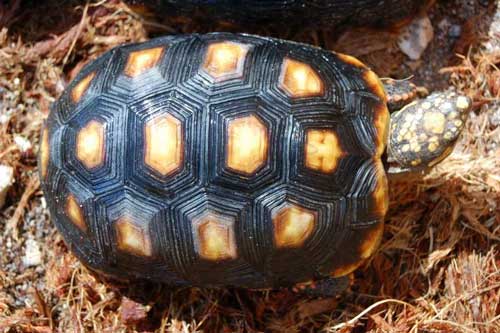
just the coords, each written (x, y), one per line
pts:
(331, 13)
(234, 160)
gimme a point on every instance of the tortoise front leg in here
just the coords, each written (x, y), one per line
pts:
(327, 287)
(424, 132)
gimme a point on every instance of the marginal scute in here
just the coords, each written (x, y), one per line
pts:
(140, 61)
(299, 79)
(132, 237)
(74, 212)
(381, 192)
(225, 60)
(382, 124)
(346, 269)
(214, 237)
(164, 144)
(293, 225)
(371, 241)
(376, 86)
(90, 144)
(322, 150)
(350, 60)
(247, 144)
(81, 87)
(44, 152)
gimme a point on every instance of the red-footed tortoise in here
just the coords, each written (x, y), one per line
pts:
(233, 160)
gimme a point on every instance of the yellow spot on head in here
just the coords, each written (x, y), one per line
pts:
(322, 150)
(300, 80)
(433, 146)
(140, 61)
(44, 152)
(462, 103)
(416, 162)
(215, 238)
(133, 238)
(75, 214)
(163, 144)
(434, 122)
(292, 225)
(225, 60)
(81, 87)
(247, 144)
(90, 144)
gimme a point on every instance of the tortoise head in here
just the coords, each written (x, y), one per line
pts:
(424, 132)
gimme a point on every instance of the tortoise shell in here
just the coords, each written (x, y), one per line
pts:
(219, 159)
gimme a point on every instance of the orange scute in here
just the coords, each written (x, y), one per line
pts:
(300, 80)
(322, 150)
(214, 237)
(81, 87)
(75, 213)
(164, 144)
(90, 144)
(247, 144)
(133, 238)
(293, 225)
(225, 60)
(140, 61)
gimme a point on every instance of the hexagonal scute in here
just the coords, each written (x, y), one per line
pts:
(298, 79)
(214, 236)
(140, 61)
(90, 144)
(133, 237)
(74, 212)
(322, 150)
(225, 60)
(293, 225)
(247, 144)
(164, 144)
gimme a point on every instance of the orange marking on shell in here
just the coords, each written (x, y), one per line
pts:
(371, 241)
(90, 145)
(164, 144)
(346, 269)
(300, 80)
(44, 152)
(247, 145)
(351, 60)
(132, 238)
(381, 192)
(322, 150)
(382, 124)
(293, 225)
(140, 61)
(75, 213)
(376, 86)
(215, 238)
(81, 87)
(225, 60)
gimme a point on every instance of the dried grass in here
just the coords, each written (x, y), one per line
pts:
(437, 269)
